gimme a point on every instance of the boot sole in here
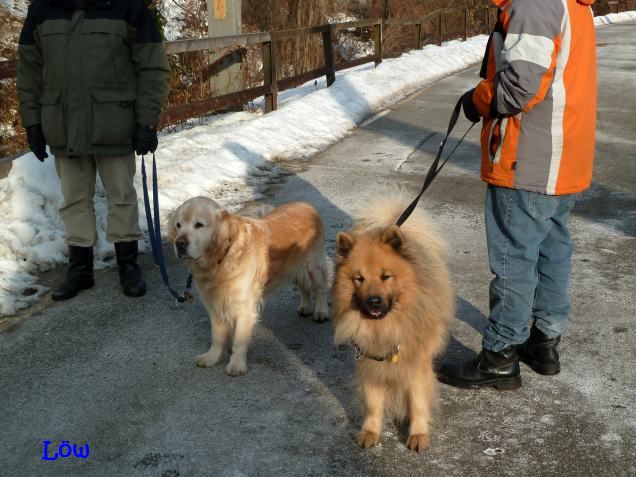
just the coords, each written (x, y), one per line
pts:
(500, 384)
(541, 368)
(89, 285)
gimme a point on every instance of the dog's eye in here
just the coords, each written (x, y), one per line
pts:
(198, 225)
(178, 225)
(358, 279)
(384, 277)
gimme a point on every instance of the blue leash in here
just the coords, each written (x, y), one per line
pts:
(154, 231)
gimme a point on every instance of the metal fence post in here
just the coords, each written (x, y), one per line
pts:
(439, 29)
(270, 76)
(330, 62)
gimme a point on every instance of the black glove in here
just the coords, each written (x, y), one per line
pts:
(470, 111)
(36, 140)
(145, 139)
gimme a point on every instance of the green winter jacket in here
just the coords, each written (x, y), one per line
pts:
(88, 75)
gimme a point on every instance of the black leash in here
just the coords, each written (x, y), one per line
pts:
(154, 231)
(434, 169)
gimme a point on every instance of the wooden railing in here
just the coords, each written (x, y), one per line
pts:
(272, 85)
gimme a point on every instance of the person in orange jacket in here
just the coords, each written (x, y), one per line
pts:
(538, 104)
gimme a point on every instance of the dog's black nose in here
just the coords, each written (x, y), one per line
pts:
(182, 244)
(374, 301)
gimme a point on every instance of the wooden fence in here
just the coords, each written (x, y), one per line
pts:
(272, 85)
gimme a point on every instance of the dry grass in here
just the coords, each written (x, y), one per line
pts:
(300, 54)
(12, 137)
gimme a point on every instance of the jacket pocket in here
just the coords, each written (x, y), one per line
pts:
(54, 40)
(106, 54)
(496, 138)
(52, 117)
(112, 117)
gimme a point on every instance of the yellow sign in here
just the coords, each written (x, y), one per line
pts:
(220, 9)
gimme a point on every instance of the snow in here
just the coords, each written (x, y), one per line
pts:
(18, 7)
(173, 13)
(492, 451)
(615, 18)
(228, 157)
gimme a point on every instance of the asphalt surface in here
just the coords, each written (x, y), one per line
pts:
(119, 374)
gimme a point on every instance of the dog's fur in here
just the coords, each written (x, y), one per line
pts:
(236, 261)
(405, 270)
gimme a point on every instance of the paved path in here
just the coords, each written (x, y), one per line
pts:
(119, 373)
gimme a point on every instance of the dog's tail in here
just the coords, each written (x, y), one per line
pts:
(382, 209)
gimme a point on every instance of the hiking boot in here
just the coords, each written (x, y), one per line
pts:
(79, 274)
(499, 370)
(540, 353)
(130, 277)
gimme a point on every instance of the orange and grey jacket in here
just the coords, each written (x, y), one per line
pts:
(538, 97)
(89, 74)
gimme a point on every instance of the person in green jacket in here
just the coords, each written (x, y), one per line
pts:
(92, 78)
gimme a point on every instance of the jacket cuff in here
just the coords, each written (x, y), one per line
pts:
(147, 118)
(30, 118)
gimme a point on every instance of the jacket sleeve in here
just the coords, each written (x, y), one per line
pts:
(151, 65)
(528, 59)
(29, 74)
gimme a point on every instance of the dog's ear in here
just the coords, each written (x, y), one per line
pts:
(230, 227)
(221, 228)
(393, 236)
(344, 244)
(227, 229)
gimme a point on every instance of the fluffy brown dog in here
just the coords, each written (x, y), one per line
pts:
(236, 261)
(393, 300)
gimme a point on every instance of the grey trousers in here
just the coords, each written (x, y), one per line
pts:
(77, 179)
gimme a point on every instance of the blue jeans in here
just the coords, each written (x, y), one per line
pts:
(530, 254)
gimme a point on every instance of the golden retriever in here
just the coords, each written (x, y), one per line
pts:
(237, 261)
(393, 300)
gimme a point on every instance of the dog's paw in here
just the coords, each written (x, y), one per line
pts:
(207, 360)
(236, 368)
(321, 317)
(303, 310)
(418, 442)
(368, 439)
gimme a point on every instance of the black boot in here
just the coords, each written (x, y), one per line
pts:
(129, 272)
(499, 370)
(79, 275)
(540, 353)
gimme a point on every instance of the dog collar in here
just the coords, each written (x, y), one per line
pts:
(393, 355)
